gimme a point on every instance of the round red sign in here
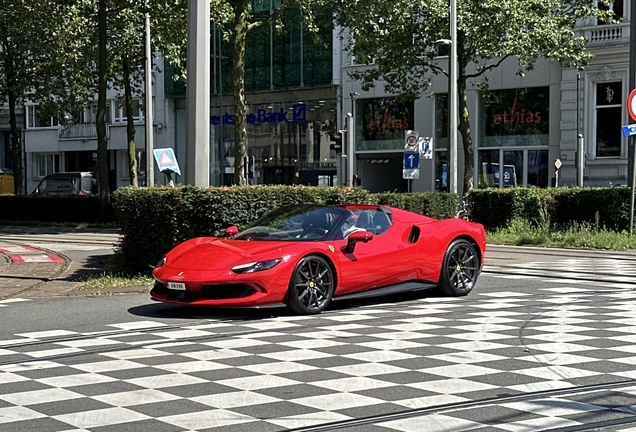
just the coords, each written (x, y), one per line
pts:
(631, 104)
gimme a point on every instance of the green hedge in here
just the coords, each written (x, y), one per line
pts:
(50, 208)
(495, 208)
(154, 220)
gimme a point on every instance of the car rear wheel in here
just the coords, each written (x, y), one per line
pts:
(460, 269)
(311, 286)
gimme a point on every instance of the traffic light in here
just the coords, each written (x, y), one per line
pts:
(336, 142)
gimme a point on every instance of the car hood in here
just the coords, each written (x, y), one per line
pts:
(216, 253)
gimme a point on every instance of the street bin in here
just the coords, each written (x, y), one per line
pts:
(6, 182)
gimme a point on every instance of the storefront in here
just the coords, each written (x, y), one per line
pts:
(288, 143)
(380, 124)
(513, 134)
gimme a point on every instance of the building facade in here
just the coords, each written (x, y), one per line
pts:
(298, 93)
(521, 123)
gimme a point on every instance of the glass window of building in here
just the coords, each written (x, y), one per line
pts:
(381, 122)
(617, 9)
(513, 137)
(47, 164)
(92, 113)
(120, 112)
(441, 141)
(608, 119)
(36, 119)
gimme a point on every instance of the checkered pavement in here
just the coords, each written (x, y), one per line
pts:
(619, 273)
(292, 372)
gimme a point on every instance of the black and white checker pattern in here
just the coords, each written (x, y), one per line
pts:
(291, 372)
(617, 273)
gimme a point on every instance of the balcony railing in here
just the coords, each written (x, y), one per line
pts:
(79, 131)
(603, 35)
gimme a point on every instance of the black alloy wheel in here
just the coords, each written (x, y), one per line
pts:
(311, 286)
(460, 269)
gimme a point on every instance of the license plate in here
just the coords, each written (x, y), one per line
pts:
(176, 286)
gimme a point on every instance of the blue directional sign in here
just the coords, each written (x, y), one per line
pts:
(166, 160)
(629, 130)
(411, 160)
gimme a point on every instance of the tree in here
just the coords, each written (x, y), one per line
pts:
(26, 63)
(399, 37)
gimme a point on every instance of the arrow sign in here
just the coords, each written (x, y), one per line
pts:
(411, 160)
(629, 130)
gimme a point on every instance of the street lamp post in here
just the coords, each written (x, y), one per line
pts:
(351, 141)
(150, 168)
(580, 152)
(452, 99)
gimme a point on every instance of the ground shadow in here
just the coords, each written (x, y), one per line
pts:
(173, 311)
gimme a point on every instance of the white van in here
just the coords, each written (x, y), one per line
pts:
(68, 183)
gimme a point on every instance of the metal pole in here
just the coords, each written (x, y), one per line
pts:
(580, 158)
(631, 147)
(150, 166)
(631, 200)
(452, 105)
(350, 150)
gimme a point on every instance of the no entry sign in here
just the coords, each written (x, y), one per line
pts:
(631, 104)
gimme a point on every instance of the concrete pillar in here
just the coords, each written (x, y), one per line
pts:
(197, 145)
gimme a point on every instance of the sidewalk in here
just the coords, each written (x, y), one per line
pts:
(54, 261)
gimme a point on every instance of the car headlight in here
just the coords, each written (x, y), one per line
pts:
(256, 266)
(161, 262)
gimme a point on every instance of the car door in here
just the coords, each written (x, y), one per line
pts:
(380, 262)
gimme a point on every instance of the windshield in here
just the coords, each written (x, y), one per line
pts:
(296, 223)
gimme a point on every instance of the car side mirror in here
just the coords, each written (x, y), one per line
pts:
(231, 231)
(357, 237)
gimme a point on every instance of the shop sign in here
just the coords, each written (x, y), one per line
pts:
(384, 118)
(298, 114)
(516, 112)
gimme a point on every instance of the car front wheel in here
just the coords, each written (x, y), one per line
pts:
(460, 269)
(311, 286)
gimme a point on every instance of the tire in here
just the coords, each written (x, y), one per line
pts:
(311, 286)
(460, 269)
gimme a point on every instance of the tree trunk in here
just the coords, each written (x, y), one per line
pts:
(130, 124)
(102, 82)
(16, 146)
(241, 16)
(464, 120)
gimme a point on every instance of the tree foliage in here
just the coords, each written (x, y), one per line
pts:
(399, 37)
(32, 35)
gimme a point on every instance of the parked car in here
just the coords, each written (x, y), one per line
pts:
(305, 255)
(68, 183)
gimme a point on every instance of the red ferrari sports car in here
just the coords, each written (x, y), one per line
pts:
(304, 256)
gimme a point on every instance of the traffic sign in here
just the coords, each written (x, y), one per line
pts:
(411, 165)
(166, 160)
(631, 104)
(558, 163)
(629, 130)
(410, 140)
(426, 147)
(411, 160)
(410, 174)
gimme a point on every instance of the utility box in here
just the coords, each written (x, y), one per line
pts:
(6, 182)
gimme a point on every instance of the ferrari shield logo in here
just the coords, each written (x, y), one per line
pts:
(331, 248)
